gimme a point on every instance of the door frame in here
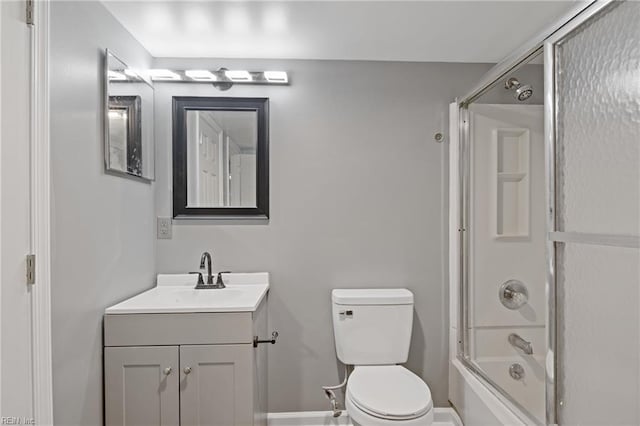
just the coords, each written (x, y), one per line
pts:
(41, 215)
(1, 199)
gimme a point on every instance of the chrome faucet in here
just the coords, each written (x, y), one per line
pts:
(518, 342)
(206, 256)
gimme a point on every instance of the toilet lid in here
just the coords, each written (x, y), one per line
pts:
(389, 392)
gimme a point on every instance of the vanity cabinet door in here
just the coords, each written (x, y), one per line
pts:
(216, 385)
(141, 386)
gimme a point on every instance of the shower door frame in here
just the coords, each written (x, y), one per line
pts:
(555, 235)
(542, 43)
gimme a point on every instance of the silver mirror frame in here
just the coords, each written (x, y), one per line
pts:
(105, 122)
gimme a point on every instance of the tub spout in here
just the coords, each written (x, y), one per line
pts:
(518, 342)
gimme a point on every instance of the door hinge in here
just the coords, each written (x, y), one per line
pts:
(31, 269)
(30, 12)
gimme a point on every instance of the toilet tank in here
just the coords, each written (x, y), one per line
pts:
(372, 326)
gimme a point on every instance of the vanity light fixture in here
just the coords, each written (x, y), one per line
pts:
(164, 75)
(201, 75)
(238, 75)
(116, 76)
(221, 78)
(124, 75)
(276, 76)
(131, 73)
(118, 114)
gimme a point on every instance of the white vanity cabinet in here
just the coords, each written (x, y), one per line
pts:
(203, 401)
(185, 368)
(141, 385)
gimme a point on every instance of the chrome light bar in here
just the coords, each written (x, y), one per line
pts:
(220, 77)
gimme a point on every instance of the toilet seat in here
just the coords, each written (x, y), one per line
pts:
(389, 392)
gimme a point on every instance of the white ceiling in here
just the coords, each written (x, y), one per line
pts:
(433, 31)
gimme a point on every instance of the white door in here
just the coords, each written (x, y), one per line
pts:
(204, 156)
(233, 178)
(209, 154)
(16, 382)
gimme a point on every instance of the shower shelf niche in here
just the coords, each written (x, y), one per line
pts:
(511, 155)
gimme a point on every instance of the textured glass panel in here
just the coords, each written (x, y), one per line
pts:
(598, 83)
(599, 335)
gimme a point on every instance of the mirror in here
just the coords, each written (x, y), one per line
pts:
(220, 157)
(128, 121)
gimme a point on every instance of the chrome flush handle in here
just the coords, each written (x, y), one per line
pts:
(274, 338)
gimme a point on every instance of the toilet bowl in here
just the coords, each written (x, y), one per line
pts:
(372, 330)
(385, 395)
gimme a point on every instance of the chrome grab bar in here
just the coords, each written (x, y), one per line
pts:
(518, 342)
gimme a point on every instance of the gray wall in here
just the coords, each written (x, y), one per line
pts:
(358, 199)
(103, 226)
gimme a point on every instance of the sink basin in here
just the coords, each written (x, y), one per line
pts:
(176, 294)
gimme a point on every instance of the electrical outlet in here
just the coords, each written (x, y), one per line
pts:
(164, 228)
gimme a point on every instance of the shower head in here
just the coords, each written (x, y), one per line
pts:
(522, 92)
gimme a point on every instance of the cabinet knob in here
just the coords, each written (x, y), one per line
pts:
(167, 371)
(187, 370)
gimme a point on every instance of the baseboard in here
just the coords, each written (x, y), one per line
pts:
(447, 416)
(308, 418)
(442, 417)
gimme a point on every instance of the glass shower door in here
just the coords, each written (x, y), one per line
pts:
(593, 78)
(505, 239)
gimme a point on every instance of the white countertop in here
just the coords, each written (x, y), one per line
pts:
(176, 294)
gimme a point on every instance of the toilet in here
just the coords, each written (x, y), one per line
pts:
(372, 330)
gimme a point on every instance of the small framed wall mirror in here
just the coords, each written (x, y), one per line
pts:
(220, 158)
(129, 142)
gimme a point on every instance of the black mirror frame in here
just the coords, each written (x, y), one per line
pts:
(182, 104)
